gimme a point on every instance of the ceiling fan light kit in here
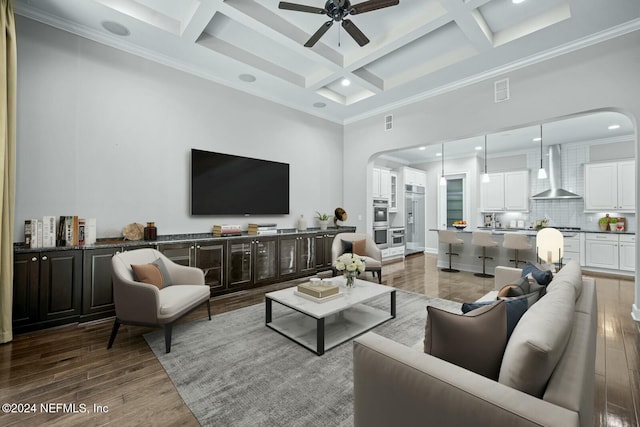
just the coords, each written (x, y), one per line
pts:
(338, 10)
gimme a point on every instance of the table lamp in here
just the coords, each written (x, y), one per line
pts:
(550, 246)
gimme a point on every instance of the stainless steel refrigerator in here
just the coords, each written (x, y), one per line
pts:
(415, 219)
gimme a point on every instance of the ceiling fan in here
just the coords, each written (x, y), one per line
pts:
(338, 10)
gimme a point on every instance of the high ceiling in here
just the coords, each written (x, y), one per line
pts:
(418, 48)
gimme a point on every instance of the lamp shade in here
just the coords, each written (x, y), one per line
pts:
(550, 245)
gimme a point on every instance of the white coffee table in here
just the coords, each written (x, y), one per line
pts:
(322, 326)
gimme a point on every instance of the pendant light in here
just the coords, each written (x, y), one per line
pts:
(443, 180)
(542, 173)
(485, 175)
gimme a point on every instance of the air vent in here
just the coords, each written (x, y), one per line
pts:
(388, 122)
(501, 90)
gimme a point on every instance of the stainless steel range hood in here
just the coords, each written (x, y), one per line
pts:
(555, 178)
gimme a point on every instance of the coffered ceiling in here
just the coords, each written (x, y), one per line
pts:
(417, 48)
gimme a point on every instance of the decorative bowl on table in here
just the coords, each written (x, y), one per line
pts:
(460, 225)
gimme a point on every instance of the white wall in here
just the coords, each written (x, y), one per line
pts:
(105, 134)
(603, 76)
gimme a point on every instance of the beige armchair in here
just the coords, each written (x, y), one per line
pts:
(145, 304)
(372, 255)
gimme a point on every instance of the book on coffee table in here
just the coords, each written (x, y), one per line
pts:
(318, 300)
(318, 291)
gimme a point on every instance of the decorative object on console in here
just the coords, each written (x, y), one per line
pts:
(302, 223)
(133, 231)
(151, 231)
(352, 265)
(227, 230)
(339, 215)
(323, 219)
(603, 222)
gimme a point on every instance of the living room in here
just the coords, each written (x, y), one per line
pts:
(107, 134)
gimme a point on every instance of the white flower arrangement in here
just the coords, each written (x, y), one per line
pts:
(349, 262)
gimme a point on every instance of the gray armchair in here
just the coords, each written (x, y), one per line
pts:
(143, 304)
(372, 256)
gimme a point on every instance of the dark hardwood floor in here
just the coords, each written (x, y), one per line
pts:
(71, 365)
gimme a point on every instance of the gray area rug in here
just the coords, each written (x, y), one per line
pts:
(234, 371)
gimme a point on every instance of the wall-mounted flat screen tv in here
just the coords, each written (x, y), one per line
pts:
(224, 184)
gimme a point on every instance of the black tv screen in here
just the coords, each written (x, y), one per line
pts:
(224, 184)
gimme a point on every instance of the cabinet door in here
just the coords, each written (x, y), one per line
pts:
(209, 258)
(306, 253)
(97, 286)
(393, 195)
(376, 182)
(516, 191)
(385, 183)
(627, 253)
(320, 252)
(288, 259)
(265, 256)
(239, 262)
(26, 279)
(600, 186)
(492, 193)
(602, 254)
(60, 284)
(180, 253)
(627, 186)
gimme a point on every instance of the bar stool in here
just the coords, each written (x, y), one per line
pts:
(449, 237)
(517, 242)
(483, 238)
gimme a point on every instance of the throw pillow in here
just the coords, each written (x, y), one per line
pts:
(358, 247)
(541, 276)
(154, 273)
(474, 341)
(516, 288)
(530, 298)
(347, 246)
(515, 309)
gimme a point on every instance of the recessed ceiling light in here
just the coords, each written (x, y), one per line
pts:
(438, 154)
(319, 105)
(614, 127)
(517, 1)
(345, 82)
(478, 148)
(249, 78)
(115, 28)
(537, 139)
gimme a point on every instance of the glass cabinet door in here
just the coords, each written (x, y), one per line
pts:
(240, 262)
(180, 253)
(288, 264)
(265, 256)
(306, 254)
(210, 259)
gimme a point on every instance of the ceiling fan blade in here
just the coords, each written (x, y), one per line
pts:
(370, 5)
(354, 32)
(300, 8)
(314, 38)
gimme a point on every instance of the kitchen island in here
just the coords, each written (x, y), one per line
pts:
(576, 246)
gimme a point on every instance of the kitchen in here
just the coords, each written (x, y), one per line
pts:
(593, 157)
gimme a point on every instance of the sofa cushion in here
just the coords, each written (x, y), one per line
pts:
(515, 309)
(474, 341)
(176, 300)
(357, 247)
(515, 289)
(537, 342)
(569, 275)
(531, 298)
(154, 273)
(543, 277)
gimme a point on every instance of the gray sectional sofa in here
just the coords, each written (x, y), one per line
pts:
(550, 355)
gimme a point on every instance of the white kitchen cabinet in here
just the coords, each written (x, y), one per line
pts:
(506, 191)
(393, 194)
(601, 251)
(415, 177)
(572, 249)
(609, 186)
(381, 183)
(627, 252)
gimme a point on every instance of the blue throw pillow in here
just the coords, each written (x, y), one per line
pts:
(515, 310)
(541, 276)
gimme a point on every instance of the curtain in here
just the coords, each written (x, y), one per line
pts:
(8, 70)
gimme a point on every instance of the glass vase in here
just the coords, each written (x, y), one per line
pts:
(351, 278)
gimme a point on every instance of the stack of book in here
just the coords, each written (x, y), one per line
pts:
(319, 293)
(226, 230)
(262, 229)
